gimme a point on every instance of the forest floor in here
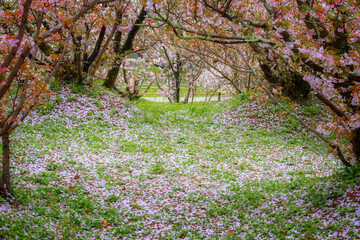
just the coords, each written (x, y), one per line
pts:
(90, 166)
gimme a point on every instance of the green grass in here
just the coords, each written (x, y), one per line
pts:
(171, 171)
(154, 91)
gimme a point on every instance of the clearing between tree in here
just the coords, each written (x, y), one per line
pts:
(90, 166)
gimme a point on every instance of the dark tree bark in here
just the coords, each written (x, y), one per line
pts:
(89, 60)
(77, 59)
(355, 140)
(177, 77)
(114, 71)
(94, 66)
(5, 183)
(176, 71)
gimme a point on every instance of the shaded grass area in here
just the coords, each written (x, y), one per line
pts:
(229, 170)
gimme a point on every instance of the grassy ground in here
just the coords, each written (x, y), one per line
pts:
(93, 167)
(154, 91)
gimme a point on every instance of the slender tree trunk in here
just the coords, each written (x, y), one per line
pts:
(193, 93)
(248, 83)
(177, 90)
(148, 87)
(111, 76)
(213, 93)
(5, 187)
(186, 100)
(177, 76)
(89, 60)
(22, 25)
(95, 66)
(114, 71)
(207, 94)
(135, 91)
(14, 71)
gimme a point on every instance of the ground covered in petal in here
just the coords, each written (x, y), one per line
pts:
(87, 165)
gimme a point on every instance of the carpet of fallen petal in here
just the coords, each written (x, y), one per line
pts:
(96, 167)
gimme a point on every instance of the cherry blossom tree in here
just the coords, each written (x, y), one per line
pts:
(314, 43)
(175, 67)
(28, 27)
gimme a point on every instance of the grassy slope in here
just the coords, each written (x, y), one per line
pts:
(93, 167)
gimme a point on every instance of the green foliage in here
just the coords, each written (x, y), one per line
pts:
(77, 88)
(94, 92)
(55, 85)
(71, 98)
(82, 203)
(157, 168)
(351, 174)
(44, 178)
(242, 97)
(113, 198)
(51, 166)
(98, 103)
(46, 108)
(311, 109)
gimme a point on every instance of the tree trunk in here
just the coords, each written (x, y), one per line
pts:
(177, 90)
(114, 71)
(177, 76)
(89, 60)
(248, 83)
(186, 99)
(111, 76)
(77, 60)
(193, 93)
(213, 94)
(355, 140)
(95, 66)
(207, 94)
(5, 184)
